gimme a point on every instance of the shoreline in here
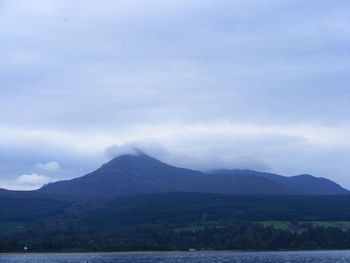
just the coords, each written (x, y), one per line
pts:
(161, 252)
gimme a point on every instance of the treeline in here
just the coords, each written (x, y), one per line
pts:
(240, 236)
(171, 221)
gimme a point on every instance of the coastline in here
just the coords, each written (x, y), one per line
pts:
(163, 252)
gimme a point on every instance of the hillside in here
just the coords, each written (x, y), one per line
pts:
(174, 221)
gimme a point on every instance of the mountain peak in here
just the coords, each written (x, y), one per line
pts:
(128, 160)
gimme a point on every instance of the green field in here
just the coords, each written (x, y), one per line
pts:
(283, 225)
(343, 225)
(194, 229)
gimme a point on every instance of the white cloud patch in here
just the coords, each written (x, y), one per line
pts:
(26, 182)
(50, 166)
(33, 179)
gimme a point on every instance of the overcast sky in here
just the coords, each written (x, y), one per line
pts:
(258, 84)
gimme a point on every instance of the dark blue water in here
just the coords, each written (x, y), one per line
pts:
(193, 257)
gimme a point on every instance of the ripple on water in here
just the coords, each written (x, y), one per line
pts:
(194, 257)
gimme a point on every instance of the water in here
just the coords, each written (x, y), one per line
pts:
(193, 257)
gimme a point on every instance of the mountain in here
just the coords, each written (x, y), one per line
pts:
(138, 174)
(137, 203)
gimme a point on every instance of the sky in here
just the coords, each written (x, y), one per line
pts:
(245, 84)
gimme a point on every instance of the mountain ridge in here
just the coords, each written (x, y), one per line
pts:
(139, 173)
(302, 182)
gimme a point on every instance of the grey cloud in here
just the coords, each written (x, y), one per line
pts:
(250, 55)
(109, 71)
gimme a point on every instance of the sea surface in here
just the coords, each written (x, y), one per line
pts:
(193, 257)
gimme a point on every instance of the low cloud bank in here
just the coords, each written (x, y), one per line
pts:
(156, 150)
(205, 160)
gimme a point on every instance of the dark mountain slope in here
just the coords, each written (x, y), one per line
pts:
(21, 207)
(204, 208)
(137, 174)
(304, 183)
